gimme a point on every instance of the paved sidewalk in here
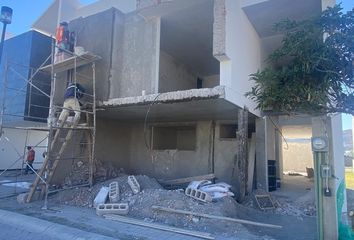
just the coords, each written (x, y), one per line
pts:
(17, 226)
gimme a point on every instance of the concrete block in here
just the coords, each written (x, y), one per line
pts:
(101, 197)
(112, 208)
(134, 185)
(113, 192)
(198, 195)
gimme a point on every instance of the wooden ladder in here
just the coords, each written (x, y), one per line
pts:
(67, 135)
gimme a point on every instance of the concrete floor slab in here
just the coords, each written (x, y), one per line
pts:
(201, 104)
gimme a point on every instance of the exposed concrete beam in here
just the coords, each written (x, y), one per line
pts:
(177, 96)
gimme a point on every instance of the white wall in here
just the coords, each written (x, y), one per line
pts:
(243, 48)
(124, 6)
(13, 143)
(68, 10)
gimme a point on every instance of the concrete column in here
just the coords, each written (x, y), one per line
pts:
(322, 127)
(261, 154)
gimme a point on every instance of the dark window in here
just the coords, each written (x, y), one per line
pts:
(174, 137)
(228, 130)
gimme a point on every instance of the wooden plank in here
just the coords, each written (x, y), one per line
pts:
(251, 162)
(158, 226)
(171, 210)
(187, 179)
(69, 63)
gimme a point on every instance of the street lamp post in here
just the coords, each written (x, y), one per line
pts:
(5, 18)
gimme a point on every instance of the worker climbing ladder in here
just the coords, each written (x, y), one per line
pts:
(60, 137)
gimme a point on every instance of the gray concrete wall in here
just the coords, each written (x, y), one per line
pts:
(136, 62)
(225, 151)
(296, 150)
(174, 75)
(96, 34)
(123, 145)
(129, 49)
(211, 81)
(171, 163)
(113, 140)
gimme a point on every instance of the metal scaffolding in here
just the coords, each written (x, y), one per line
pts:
(68, 143)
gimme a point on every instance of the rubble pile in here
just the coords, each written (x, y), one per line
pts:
(151, 193)
(303, 206)
(84, 196)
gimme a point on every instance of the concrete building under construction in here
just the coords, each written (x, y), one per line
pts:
(169, 90)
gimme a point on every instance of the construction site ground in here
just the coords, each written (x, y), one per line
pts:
(73, 208)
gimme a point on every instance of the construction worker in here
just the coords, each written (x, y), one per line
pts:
(30, 159)
(73, 93)
(63, 36)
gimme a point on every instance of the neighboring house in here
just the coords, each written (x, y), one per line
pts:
(173, 77)
(25, 107)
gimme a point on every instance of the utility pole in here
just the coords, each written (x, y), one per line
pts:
(5, 18)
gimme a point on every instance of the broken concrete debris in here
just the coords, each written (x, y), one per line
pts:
(101, 197)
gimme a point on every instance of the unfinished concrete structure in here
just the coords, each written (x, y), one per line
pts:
(172, 79)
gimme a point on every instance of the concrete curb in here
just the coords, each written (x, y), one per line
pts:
(45, 228)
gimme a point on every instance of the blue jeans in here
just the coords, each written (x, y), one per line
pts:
(28, 167)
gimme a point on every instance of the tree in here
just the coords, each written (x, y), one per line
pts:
(312, 71)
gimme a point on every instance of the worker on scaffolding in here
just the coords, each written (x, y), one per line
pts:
(30, 159)
(73, 93)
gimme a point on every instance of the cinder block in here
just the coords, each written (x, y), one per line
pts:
(112, 208)
(101, 197)
(198, 195)
(134, 185)
(114, 192)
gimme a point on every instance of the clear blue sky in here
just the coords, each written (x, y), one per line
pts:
(27, 11)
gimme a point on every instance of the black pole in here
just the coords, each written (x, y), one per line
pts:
(2, 40)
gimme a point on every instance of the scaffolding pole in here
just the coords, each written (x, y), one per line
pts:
(55, 147)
